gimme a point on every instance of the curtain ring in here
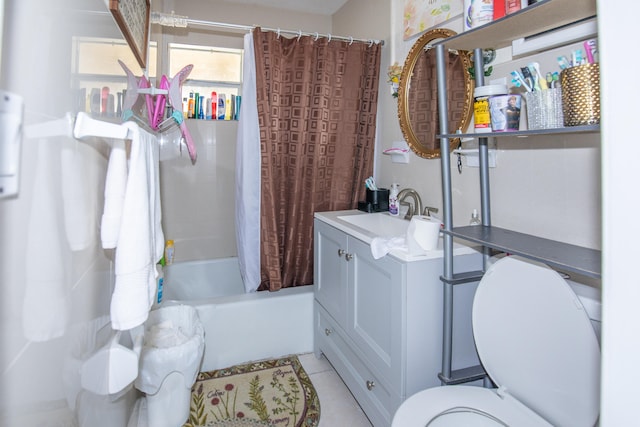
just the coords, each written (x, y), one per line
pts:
(350, 40)
(329, 41)
(317, 37)
(370, 42)
(278, 32)
(299, 34)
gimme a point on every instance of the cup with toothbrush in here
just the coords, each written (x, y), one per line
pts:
(543, 97)
(581, 83)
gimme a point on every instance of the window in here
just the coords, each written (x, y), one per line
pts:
(96, 70)
(215, 69)
(100, 80)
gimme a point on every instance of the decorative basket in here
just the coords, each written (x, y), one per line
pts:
(581, 95)
(544, 109)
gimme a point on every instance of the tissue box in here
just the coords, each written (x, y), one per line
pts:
(377, 201)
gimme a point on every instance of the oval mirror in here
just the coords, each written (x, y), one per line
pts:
(418, 95)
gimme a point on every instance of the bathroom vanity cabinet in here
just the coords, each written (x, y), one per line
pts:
(543, 16)
(379, 322)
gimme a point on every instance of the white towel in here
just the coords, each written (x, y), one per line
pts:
(45, 309)
(380, 246)
(78, 208)
(140, 241)
(114, 191)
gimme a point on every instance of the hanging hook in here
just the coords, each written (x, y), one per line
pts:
(278, 32)
(350, 40)
(299, 34)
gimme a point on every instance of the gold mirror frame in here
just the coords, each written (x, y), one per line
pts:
(460, 107)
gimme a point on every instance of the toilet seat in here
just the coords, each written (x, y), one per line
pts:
(464, 405)
(537, 344)
(535, 340)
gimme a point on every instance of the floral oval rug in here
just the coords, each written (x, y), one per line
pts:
(272, 393)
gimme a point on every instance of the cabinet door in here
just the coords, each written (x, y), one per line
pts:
(375, 320)
(330, 270)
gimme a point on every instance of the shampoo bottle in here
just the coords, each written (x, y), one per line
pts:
(201, 108)
(394, 208)
(169, 252)
(214, 106)
(222, 106)
(192, 106)
(159, 285)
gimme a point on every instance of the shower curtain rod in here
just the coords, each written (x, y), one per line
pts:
(173, 20)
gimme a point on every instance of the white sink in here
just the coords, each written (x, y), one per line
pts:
(381, 224)
(367, 226)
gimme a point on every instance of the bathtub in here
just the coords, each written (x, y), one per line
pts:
(240, 327)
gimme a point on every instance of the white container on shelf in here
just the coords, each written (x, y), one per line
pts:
(481, 110)
(477, 13)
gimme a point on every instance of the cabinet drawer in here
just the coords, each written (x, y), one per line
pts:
(377, 401)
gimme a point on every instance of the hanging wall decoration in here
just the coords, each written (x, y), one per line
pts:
(421, 15)
(132, 17)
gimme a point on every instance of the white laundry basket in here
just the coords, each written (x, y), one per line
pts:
(169, 363)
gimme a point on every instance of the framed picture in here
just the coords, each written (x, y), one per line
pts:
(132, 16)
(421, 15)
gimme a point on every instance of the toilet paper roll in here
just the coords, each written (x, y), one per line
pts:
(422, 235)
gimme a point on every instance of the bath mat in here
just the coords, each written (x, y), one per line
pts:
(268, 393)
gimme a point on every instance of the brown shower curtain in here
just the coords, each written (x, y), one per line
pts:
(317, 102)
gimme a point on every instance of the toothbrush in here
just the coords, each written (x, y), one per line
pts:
(528, 77)
(518, 80)
(541, 83)
(370, 184)
(591, 49)
(563, 62)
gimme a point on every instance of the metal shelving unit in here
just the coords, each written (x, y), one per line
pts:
(542, 16)
(525, 133)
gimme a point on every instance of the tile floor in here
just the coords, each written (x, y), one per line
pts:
(337, 406)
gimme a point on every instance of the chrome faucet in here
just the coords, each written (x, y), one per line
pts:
(417, 203)
(428, 209)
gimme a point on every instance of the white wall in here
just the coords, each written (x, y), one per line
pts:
(40, 274)
(621, 202)
(536, 188)
(198, 210)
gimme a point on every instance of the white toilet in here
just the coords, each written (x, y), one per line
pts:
(534, 335)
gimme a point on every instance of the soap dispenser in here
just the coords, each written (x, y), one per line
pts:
(394, 206)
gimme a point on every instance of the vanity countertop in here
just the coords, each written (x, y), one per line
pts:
(334, 219)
